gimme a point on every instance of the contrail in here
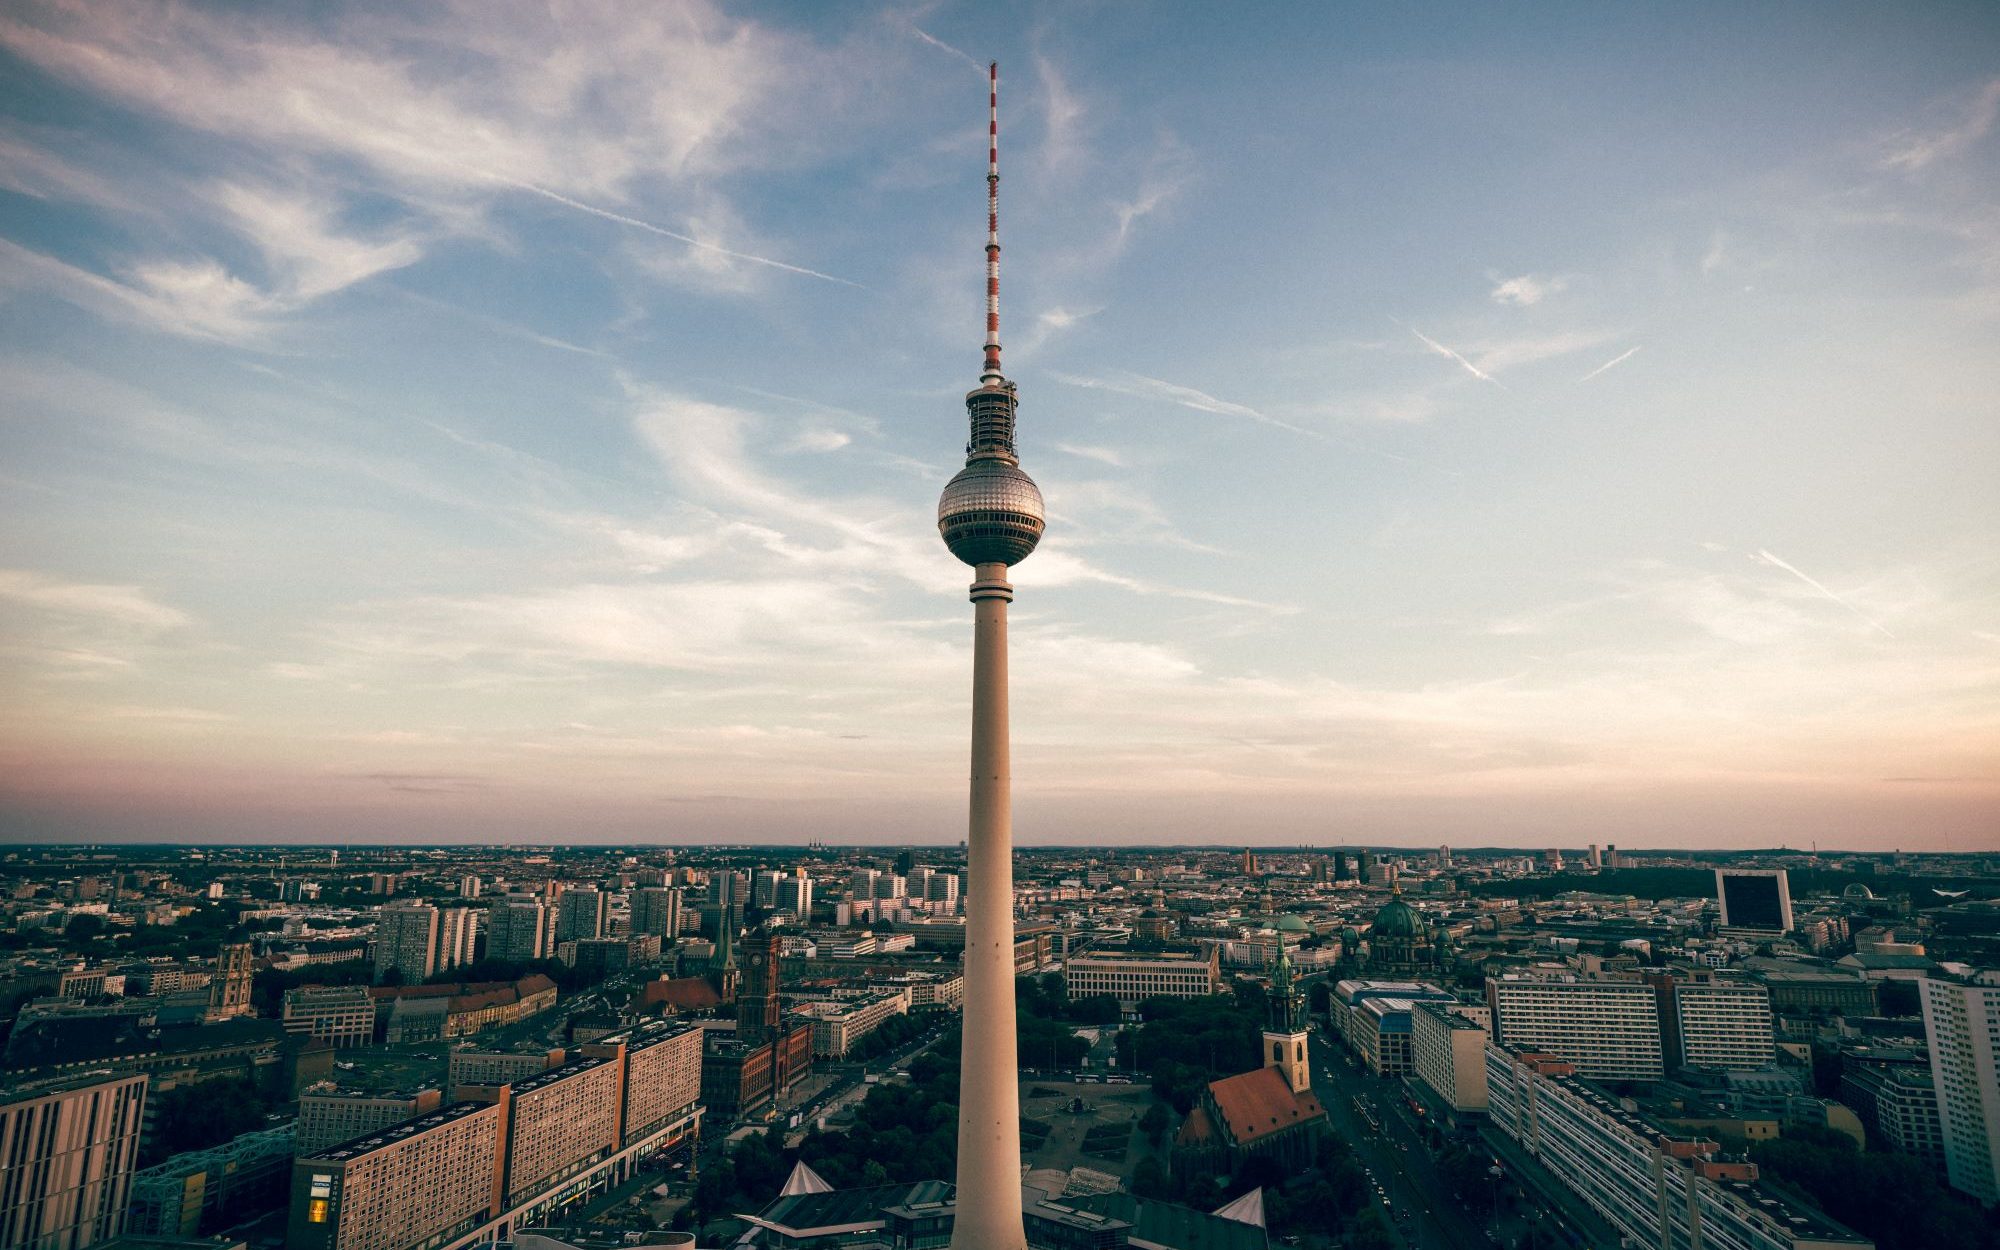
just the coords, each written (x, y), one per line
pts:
(634, 222)
(1767, 558)
(1449, 354)
(935, 42)
(1616, 360)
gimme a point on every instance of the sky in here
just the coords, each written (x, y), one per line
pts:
(1523, 425)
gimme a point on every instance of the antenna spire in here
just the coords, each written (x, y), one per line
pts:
(990, 374)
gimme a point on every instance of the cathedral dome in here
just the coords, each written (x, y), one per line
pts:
(1397, 919)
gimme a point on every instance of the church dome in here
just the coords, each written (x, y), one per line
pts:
(1397, 919)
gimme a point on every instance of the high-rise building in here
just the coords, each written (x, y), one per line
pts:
(68, 1150)
(1754, 901)
(1553, 859)
(764, 888)
(1596, 856)
(795, 895)
(1719, 1026)
(1962, 1025)
(428, 1182)
(470, 886)
(991, 517)
(656, 909)
(861, 883)
(580, 914)
(1610, 1030)
(457, 937)
(406, 942)
(519, 928)
(1249, 862)
(229, 989)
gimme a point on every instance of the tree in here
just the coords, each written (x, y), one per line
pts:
(1157, 1123)
(194, 1117)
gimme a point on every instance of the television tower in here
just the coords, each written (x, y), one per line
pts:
(991, 517)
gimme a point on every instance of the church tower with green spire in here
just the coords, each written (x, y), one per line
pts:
(1285, 1034)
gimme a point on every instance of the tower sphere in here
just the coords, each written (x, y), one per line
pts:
(991, 513)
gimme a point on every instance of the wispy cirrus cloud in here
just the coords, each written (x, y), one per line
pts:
(123, 605)
(1912, 151)
(346, 112)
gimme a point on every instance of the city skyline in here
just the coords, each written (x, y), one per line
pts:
(1460, 427)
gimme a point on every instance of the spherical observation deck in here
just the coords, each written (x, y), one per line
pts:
(991, 513)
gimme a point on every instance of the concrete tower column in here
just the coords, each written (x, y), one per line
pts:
(989, 1112)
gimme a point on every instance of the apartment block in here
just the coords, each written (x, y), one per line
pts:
(406, 942)
(425, 1182)
(1609, 1029)
(1723, 1026)
(1656, 1188)
(1448, 1052)
(343, 1015)
(662, 1074)
(1962, 1025)
(68, 1151)
(560, 1122)
(328, 1116)
(466, 1067)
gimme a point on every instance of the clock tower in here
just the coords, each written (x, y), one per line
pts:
(757, 1008)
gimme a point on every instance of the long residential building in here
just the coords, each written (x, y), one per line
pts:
(1609, 1029)
(1656, 1189)
(68, 1151)
(1132, 977)
(508, 1156)
(330, 1116)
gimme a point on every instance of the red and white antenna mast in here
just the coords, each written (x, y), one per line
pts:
(990, 375)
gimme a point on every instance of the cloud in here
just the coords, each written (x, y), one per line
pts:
(1168, 173)
(194, 299)
(1913, 152)
(1528, 290)
(1063, 141)
(1103, 455)
(940, 44)
(1619, 359)
(818, 440)
(121, 605)
(584, 109)
(307, 255)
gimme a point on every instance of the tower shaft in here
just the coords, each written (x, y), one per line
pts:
(989, 1101)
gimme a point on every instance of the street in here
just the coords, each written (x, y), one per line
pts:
(1429, 1216)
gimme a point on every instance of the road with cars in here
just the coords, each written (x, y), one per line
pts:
(1392, 1149)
